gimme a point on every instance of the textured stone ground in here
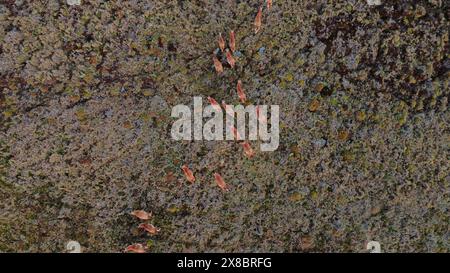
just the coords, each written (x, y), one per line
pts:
(85, 98)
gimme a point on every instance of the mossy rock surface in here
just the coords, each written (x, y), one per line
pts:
(86, 94)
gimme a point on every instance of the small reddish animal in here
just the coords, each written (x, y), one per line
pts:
(141, 214)
(221, 42)
(269, 4)
(228, 109)
(230, 59)
(214, 104)
(261, 117)
(151, 229)
(220, 182)
(258, 20)
(188, 173)
(232, 41)
(217, 65)
(136, 248)
(240, 91)
(248, 149)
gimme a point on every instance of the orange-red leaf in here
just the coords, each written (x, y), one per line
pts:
(141, 214)
(188, 173)
(217, 65)
(221, 42)
(232, 41)
(261, 117)
(220, 182)
(235, 133)
(151, 229)
(214, 104)
(248, 149)
(240, 91)
(230, 59)
(258, 20)
(228, 110)
(136, 248)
